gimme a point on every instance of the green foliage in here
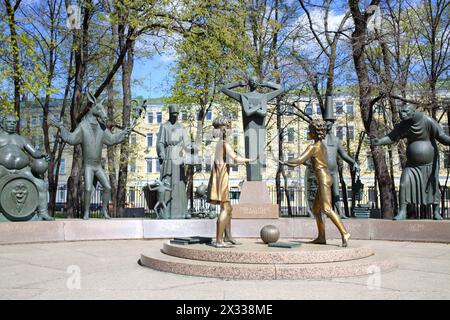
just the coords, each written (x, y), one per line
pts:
(30, 72)
(215, 52)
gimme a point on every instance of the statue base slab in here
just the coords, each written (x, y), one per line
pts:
(255, 261)
(255, 211)
(255, 202)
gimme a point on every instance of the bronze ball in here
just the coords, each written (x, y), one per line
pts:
(201, 190)
(270, 234)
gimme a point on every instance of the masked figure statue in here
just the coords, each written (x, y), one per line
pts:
(92, 134)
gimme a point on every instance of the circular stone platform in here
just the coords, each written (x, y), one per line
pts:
(255, 252)
(253, 260)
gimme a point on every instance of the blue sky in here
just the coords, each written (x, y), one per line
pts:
(152, 76)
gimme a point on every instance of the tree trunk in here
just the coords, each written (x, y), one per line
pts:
(112, 150)
(127, 69)
(111, 153)
(11, 12)
(80, 48)
(358, 46)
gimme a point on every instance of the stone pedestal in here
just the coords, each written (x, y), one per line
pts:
(255, 261)
(255, 202)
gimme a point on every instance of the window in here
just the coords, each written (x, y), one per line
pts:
(153, 165)
(318, 110)
(159, 117)
(306, 134)
(209, 115)
(370, 165)
(62, 166)
(133, 165)
(208, 164)
(41, 119)
(34, 121)
(291, 134)
(289, 110)
(149, 140)
(349, 108)
(339, 108)
(133, 139)
(446, 156)
(235, 140)
(372, 195)
(150, 117)
(234, 168)
(340, 132)
(38, 142)
(132, 195)
(309, 109)
(350, 132)
(149, 165)
(290, 156)
(61, 195)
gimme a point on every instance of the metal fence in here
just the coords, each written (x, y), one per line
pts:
(136, 204)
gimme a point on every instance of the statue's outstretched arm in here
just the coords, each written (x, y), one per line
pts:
(72, 138)
(230, 154)
(444, 139)
(344, 155)
(440, 134)
(231, 93)
(273, 94)
(112, 139)
(386, 140)
(32, 150)
(305, 156)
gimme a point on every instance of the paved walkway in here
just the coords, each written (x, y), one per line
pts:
(109, 270)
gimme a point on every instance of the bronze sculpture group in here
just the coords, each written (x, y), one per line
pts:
(24, 191)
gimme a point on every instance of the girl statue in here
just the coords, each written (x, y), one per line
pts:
(218, 190)
(317, 152)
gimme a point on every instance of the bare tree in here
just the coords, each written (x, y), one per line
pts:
(431, 19)
(368, 98)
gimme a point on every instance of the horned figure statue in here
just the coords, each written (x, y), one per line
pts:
(92, 133)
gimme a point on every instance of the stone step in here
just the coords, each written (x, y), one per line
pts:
(256, 252)
(157, 260)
